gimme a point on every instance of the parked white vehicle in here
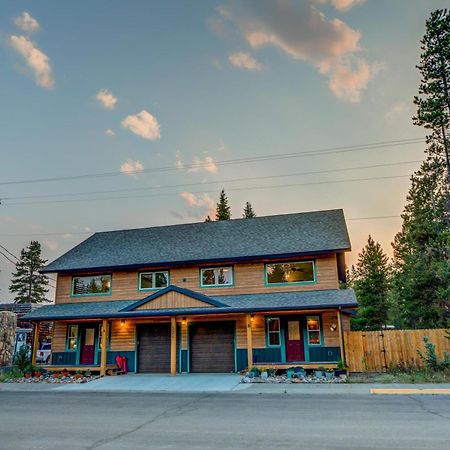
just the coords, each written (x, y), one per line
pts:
(43, 353)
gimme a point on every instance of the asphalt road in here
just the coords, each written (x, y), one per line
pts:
(73, 420)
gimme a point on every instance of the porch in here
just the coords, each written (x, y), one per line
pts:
(202, 343)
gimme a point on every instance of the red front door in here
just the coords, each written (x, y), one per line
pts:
(294, 343)
(88, 346)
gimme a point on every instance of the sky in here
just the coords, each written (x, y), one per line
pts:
(143, 111)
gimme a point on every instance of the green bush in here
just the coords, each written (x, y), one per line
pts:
(431, 360)
(22, 360)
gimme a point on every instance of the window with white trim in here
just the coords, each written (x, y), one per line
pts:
(153, 280)
(216, 276)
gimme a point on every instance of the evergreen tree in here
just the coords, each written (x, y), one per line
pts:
(370, 279)
(433, 102)
(421, 282)
(249, 213)
(223, 211)
(27, 283)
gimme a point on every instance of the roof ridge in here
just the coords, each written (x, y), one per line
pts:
(257, 218)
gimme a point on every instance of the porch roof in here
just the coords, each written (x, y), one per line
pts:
(244, 303)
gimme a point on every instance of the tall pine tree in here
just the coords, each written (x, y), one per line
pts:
(249, 212)
(433, 101)
(370, 280)
(223, 211)
(421, 282)
(27, 283)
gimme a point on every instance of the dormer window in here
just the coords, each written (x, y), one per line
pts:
(216, 277)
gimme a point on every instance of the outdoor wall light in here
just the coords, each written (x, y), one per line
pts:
(333, 327)
(183, 320)
(252, 317)
(122, 323)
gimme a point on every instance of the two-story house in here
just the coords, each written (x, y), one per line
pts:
(204, 297)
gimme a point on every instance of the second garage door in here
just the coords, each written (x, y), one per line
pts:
(154, 348)
(212, 347)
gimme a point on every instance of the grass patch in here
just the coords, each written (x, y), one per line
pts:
(9, 374)
(412, 376)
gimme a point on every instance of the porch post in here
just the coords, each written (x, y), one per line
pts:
(341, 334)
(104, 348)
(249, 342)
(35, 343)
(173, 346)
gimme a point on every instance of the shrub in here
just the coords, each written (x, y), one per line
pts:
(430, 359)
(22, 360)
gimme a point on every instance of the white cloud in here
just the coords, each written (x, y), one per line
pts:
(244, 61)
(207, 164)
(199, 206)
(131, 168)
(304, 33)
(26, 22)
(51, 245)
(106, 99)
(110, 132)
(143, 124)
(397, 110)
(178, 161)
(343, 5)
(37, 60)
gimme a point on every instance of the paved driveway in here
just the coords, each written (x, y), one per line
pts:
(162, 383)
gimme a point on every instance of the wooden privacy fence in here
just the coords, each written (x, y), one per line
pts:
(375, 351)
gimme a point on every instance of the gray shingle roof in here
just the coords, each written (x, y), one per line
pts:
(239, 239)
(274, 301)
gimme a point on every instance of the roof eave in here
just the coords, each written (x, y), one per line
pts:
(190, 312)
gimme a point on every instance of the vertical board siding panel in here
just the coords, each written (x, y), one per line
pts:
(241, 332)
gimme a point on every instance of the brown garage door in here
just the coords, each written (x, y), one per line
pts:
(154, 348)
(212, 347)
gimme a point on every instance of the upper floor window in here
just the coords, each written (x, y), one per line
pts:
(216, 276)
(292, 272)
(91, 285)
(153, 280)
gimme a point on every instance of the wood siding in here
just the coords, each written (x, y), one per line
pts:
(248, 279)
(59, 336)
(173, 300)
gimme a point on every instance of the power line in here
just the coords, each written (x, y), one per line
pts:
(199, 165)
(7, 258)
(7, 251)
(232, 180)
(14, 256)
(248, 188)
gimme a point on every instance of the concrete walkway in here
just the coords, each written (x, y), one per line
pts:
(162, 383)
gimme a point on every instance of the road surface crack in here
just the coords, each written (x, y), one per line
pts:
(169, 412)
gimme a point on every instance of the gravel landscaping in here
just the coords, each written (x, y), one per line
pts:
(294, 375)
(52, 378)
